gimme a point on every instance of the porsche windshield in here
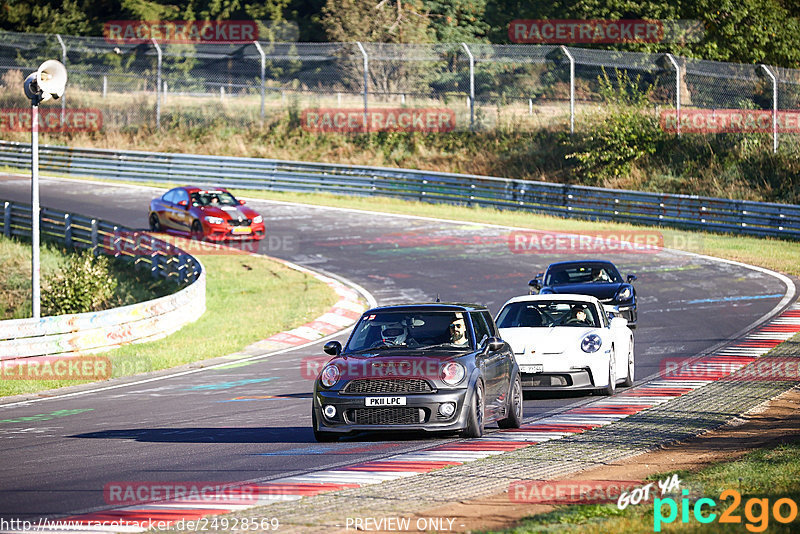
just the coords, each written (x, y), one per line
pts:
(532, 314)
(582, 274)
(410, 330)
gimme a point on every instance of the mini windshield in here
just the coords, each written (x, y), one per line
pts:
(213, 198)
(410, 330)
(532, 314)
(582, 274)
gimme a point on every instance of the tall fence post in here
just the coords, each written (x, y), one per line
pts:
(471, 87)
(63, 62)
(571, 89)
(68, 230)
(158, 85)
(7, 219)
(263, 73)
(677, 68)
(366, 82)
(774, 107)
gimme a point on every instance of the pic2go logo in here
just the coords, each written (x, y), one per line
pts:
(756, 511)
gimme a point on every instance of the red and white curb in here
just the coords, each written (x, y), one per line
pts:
(596, 414)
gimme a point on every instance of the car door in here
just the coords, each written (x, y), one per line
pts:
(491, 364)
(183, 215)
(167, 209)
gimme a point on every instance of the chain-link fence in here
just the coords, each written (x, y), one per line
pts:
(481, 86)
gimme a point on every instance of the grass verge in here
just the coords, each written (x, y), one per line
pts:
(768, 473)
(15, 278)
(248, 298)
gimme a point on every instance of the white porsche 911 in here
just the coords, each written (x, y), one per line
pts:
(567, 342)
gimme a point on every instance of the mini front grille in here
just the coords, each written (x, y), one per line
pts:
(394, 385)
(386, 416)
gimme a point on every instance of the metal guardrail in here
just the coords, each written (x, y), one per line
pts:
(76, 333)
(583, 202)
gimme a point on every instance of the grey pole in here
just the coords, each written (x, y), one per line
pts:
(36, 296)
(471, 86)
(263, 70)
(158, 85)
(571, 89)
(64, 62)
(774, 107)
(677, 67)
(366, 78)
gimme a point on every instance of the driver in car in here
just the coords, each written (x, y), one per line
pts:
(458, 332)
(578, 317)
(394, 334)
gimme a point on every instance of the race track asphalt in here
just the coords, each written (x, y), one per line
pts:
(252, 422)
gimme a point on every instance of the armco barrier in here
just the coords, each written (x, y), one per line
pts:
(593, 203)
(89, 332)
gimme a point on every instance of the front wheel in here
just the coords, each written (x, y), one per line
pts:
(155, 223)
(197, 231)
(611, 388)
(476, 412)
(514, 419)
(631, 367)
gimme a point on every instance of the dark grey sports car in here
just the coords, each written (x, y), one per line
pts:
(597, 278)
(433, 367)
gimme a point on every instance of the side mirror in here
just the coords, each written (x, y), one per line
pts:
(493, 344)
(334, 348)
(631, 278)
(241, 202)
(618, 322)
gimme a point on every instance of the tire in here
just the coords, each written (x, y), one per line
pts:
(611, 388)
(319, 435)
(475, 418)
(155, 223)
(515, 408)
(631, 367)
(197, 231)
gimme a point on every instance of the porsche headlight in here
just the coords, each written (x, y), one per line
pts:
(453, 373)
(258, 219)
(625, 293)
(591, 343)
(330, 375)
(214, 220)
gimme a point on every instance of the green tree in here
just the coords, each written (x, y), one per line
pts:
(384, 21)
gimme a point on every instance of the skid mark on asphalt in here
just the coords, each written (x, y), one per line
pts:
(679, 381)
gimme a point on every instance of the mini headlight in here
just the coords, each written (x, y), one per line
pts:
(214, 220)
(257, 219)
(329, 376)
(625, 293)
(453, 373)
(591, 343)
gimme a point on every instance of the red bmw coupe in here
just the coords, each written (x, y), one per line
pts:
(212, 214)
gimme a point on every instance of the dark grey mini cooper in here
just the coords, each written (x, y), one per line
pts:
(433, 367)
